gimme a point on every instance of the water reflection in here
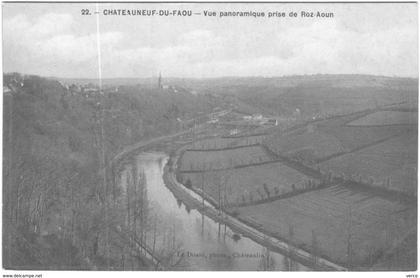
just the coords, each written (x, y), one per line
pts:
(190, 240)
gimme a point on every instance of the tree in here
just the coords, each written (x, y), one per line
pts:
(267, 262)
(203, 182)
(349, 221)
(286, 263)
(259, 193)
(291, 249)
(314, 248)
(267, 191)
(188, 183)
(180, 179)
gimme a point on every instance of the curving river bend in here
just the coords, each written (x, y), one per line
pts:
(196, 246)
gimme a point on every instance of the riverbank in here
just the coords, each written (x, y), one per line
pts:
(256, 224)
(194, 201)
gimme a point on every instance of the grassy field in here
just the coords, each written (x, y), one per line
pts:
(313, 141)
(320, 140)
(354, 137)
(306, 143)
(386, 118)
(391, 164)
(241, 183)
(338, 219)
(350, 225)
(196, 160)
(213, 143)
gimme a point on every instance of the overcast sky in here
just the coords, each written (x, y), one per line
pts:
(56, 40)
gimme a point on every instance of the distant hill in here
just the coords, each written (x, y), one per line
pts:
(109, 81)
(331, 80)
(335, 80)
(315, 95)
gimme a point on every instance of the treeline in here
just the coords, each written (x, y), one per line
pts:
(58, 199)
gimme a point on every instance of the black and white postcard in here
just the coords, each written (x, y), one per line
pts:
(209, 137)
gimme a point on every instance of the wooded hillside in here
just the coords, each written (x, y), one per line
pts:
(55, 196)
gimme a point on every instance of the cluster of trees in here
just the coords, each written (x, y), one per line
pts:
(60, 200)
(147, 236)
(265, 193)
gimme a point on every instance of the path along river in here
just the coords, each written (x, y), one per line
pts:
(203, 247)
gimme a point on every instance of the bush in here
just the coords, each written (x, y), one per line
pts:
(179, 178)
(235, 213)
(267, 191)
(188, 183)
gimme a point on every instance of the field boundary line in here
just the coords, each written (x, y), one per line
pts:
(321, 160)
(229, 168)
(236, 224)
(222, 149)
(245, 136)
(279, 197)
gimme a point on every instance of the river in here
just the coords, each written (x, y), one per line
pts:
(192, 244)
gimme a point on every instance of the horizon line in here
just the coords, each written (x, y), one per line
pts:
(217, 77)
